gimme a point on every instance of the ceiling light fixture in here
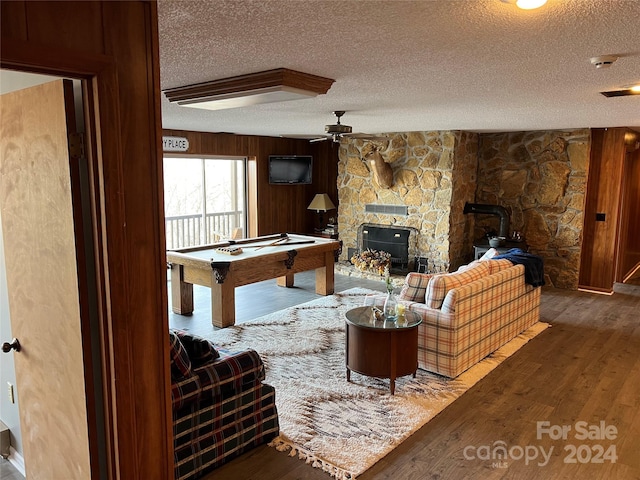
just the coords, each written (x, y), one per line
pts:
(623, 92)
(526, 4)
(278, 85)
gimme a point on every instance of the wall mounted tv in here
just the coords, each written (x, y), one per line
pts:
(290, 169)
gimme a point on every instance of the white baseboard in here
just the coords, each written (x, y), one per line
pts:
(17, 461)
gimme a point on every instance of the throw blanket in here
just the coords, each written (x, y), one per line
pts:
(533, 265)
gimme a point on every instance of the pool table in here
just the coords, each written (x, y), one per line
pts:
(277, 256)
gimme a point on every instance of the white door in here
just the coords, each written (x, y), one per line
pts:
(42, 281)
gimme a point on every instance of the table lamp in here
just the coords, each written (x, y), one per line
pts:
(321, 203)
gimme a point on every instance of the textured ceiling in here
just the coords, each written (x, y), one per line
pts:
(477, 65)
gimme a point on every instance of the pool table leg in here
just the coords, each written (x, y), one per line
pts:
(285, 281)
(325, 276)
(181, 292)
(223, 304)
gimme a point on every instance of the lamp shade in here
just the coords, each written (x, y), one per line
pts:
(321, 203)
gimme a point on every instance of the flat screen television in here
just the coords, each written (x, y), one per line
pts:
(290, 169)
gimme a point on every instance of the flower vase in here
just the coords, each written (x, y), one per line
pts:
(390, 305)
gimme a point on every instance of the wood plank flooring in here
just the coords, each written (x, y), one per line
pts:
(8, 471)
(585, 368)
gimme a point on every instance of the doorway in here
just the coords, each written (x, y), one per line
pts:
(628, 270)
(48, 280)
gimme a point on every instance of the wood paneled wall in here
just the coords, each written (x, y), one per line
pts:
(602, 210)
(630, 231)
(113, 48)
(273, 208)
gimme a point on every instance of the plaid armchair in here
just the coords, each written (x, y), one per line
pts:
(221, 408)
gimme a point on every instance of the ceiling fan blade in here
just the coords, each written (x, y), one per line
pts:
(366, 136)
(303, 136)
(319, 139)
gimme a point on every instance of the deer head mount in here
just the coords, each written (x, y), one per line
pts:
(382, 171)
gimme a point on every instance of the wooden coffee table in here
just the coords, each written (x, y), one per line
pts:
(381, 348)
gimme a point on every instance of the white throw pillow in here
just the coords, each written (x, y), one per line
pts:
(489, 254)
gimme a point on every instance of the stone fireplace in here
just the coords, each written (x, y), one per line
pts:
(434, 175)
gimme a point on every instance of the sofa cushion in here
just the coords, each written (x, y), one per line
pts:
(496, 266)
(180, 363)
(415, 286)
(227, 375)
(439, 285)
(462, 268)
(200, 350)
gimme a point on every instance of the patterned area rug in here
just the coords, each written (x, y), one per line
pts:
(340, 427)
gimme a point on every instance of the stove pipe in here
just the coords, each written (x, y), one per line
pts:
(491, 210)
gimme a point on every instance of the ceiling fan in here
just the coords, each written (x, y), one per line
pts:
(338, 131)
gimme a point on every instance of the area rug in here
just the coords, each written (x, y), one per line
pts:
(343, 428)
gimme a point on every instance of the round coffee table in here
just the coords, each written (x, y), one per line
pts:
(381, 348)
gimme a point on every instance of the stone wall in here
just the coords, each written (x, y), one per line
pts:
(464, 177)
(434, 174)
(540, 178)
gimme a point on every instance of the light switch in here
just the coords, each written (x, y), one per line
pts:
(12, 398)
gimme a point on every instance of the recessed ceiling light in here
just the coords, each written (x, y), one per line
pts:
(530, 4)
(526, 4)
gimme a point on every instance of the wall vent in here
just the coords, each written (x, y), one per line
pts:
(387, 209)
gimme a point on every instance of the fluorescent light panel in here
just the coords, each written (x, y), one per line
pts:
(277, 85)
(250, 97)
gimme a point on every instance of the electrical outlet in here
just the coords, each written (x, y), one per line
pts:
(12, 398)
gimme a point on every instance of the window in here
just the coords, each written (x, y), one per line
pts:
(204, 200)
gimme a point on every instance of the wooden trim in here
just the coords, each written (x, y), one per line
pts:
(279, 77)
(86, 288)
(161, 241)
(101, 275)
(126, 209)
(24, 56)
(252, 197)
(600, 291)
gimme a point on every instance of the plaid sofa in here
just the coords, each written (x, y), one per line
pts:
(468, 314)
(221, 407)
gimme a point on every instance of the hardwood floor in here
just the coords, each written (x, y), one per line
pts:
(583, 369)
(259, 299)
(8, 471)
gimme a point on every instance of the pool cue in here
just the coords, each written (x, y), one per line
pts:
(228, 243)
(294, 243)
(273, 243)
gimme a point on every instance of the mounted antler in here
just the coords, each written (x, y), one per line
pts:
(382, 171)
